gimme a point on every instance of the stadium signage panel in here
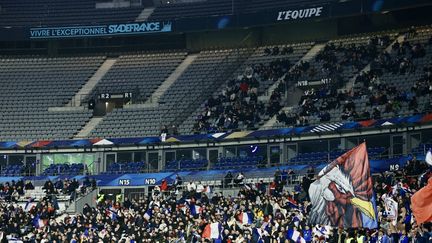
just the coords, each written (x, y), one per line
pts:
(100, 30)
(149, 181)
(124, 182)
(300, 14)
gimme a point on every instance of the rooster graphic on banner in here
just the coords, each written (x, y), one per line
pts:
(343, 195)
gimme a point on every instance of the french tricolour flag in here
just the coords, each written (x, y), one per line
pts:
(38, 222)
(292, 203)
(212, 231)
(428, 157)
(195, 209)
(295, 236)
(29, 204)
(245, 218)
(148, 214)
(207, 189)
(321, 231)
(112, 214)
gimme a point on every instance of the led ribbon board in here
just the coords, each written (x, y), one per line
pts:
(100, 30)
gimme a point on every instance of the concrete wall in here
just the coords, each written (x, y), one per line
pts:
(285, 33)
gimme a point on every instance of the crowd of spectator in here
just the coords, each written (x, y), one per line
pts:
(381, 98)
(399, 61)
(329, 65)
(11, 191)
(272, 214)
(238, 106)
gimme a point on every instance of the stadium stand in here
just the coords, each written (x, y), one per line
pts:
(12, 170)
(316, 158)
(334, 103)
(238, 162)
(30, 86)
(269, 204)
(192, 156)
(184, 164)
(209, 70)
(139, 73)
(64, 169)
(230, 107)
(236, 104)
(128, 167)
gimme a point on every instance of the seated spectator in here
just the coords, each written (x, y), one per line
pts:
(48, 187)
(365, 115)
(29, 186)
(239, 178)
(413, 104)
(376, 114)
(228, 179)
(178, 181)
(59, 185)
(278, 175)
(324, 116)
(310, 172)
(191, 187)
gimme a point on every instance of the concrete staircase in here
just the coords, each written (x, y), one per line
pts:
(85, 131)
(271, 123)
(91, 83)
(145, 14)
(294, 94)
(306, 58)
(154, 98)
(350, 84)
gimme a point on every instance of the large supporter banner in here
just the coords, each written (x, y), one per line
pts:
(342, 196)
(100, 30)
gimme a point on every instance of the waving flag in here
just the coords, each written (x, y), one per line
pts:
(38, 222)
(257, 233)
(148, 214)
(391, 209)
(29, 204)
(401, 188)
(321, 231)
(429, 157)
(292, 203)
(342, 194)
(245, 218)
(112, 214)
(212, 231)
(195, 209)
(207, 189)
(421, 204)
(295, 236)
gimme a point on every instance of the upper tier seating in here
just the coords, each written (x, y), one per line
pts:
(200, 79)
(31, 85)
(236, 100)
(140, 74)
(399, 82)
